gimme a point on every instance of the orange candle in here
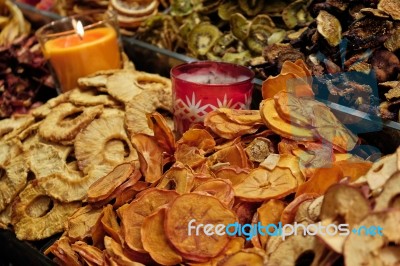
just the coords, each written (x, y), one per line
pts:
(72, 56)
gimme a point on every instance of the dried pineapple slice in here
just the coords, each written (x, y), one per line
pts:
(91, 97)
(104, 142)
(11, 127)
(121, 85)
(8, 150)
(60, 126)
(36, 228)
(13, 178)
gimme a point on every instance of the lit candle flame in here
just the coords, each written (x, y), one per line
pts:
(78, 27)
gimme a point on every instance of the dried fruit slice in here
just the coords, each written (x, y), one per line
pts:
(133, 214)
(162, 132)
(96, 80)
(289, 82)
(389, 194)
(234, 155)
(121, 85)
(155, 240)
(178, 177)
(11, 127)
(189, 155)
(36, 228)
(363, 249)
(219, 188)
(202, 37)
(8, 150)
(13, 178)
(240, 26)
(272, 119)
(90, 97)
(114, 252)
(233, 173)
(110, 223)
(202, 209)
(295, 110)
(199, 138)
(390, 7)
(382, 170)
(242, 117)
(147, 81)
(104, 142)
(328, 127)
(66, 120)
(62, 250)
(291, 210)
(136, 8)
(106, 185)
(221, 125)
(245, 257)
(150, 156)
(80, 223)
(262, 184)
(269, 213)
(146, 102)
(90, 254)
(329, 27)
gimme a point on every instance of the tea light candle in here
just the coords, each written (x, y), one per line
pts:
(83, 53)
(201, 87)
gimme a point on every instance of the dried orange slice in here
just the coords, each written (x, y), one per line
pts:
(294, 109)
(219, 188)
(132, 215)
(150, 156)
(195, 209)
(262, 184)
(178, 177)
(156, 242)
(221, 125)
(199, 138)
(135, 8)
(328, 127)
(272, 119)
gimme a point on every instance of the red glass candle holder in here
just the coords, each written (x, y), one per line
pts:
(200, 87)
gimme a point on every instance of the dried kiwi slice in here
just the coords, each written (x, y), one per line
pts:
(202, 38)
(240, 58)
(181, 8)
(240, 26)
(263, 19)
(296, 14)
(258, 38)
(251, 7)
(227, 9)
(223, 43)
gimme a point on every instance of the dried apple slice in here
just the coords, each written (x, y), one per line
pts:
(221, 125)
(162, 133)
(104, 142)
(102, 188)
(389, 194)
(202, 209)
(178, 177)
(262, 184)
(150, 156)
(219, 188)
(66, 120)
(90, 254)
(328, 127)
(383, 169)
(189, 155)
(156, 242)
(36, 228)
(363, 249)
(81, 222)
(110, 223)
(290, 211)
(234, 155)
(233, 173)
(245, 257)
(272, 119)
(133, 214)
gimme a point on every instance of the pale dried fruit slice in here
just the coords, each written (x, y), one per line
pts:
(150, 156)
(104, 142)
(102, 188)
(262, 184)
(148, 81)
(90, 254)
(62, 250)
(13, 178)
(80, 223)
(178, 177)
(328, 127)
(5, 217)
(156, 242)
(8, 150)
(96, 80)
(91, 97)
(382, 170)
(146, 102)
(389, 194)
(203, 209)
(219, 188)
(221, 125)
(121, 85)
(66, 120)
(285, 129)
(64, 189)
(43, 110)
(363, 249)
(133, 214)
(11, 127)
(329, 27)
(245, 257)
(135, 8)
(36, 228)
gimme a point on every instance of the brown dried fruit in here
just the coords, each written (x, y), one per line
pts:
(178, 177)
(391, 7)
(259, 149)
(329, 27)
(80, 223)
